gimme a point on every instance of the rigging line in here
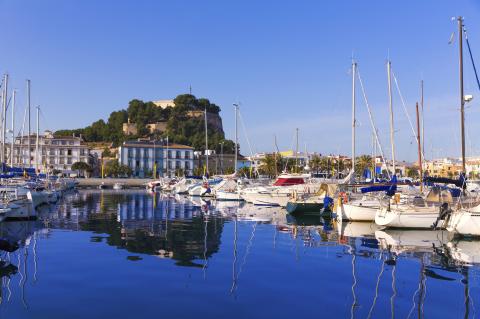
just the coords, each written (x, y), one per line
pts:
(370, 115)
(205, 247)
(235, 256)
(245, 132)
(471, 57)
(354, 301)
(376, 291)
(247, 249)
(405, 108)
(392, 299)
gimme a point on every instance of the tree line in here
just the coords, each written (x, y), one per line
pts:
(181, 128)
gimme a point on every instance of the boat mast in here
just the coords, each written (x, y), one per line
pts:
(354, 70)
(276, 151)
(168, 158)
(4, 114)
(206, 143)
(462, 97)
(419, 149)
(296, 153)
(13, 127)
(236, 136)
(37, 141)
(28, 137)
(423, 122)
(392, 137)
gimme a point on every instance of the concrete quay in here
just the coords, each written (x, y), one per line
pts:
(109, 182)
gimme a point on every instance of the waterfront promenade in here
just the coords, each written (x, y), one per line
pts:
(109, 182)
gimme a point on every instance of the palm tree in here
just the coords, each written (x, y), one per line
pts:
(324, 164)
(80, 167)
(315, 163)
(363, 162)
(268, 164)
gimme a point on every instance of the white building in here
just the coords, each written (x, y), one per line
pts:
(143, 156)
(57, 153)
(164, 103)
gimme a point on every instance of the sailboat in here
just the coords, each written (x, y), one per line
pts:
(228, 189)
(466, 220)
(351, 207)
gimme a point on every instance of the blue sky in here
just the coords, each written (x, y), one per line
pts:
(287, 62)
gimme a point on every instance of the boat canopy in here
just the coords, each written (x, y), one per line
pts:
(389, 189)
(460, 182)
(289, 181)
(327, 189)
(440, 195)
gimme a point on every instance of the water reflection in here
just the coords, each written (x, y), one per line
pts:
(365, 271)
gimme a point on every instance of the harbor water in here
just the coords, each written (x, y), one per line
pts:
(134, 254)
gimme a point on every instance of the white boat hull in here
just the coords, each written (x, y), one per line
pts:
(232, 196)
(37, 198)
(424, 218)
(357, 211)
(466, 223)
(21, 211)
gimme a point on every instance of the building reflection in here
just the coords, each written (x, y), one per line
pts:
(143, 223)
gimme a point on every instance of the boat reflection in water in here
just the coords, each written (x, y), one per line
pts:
(176, 248)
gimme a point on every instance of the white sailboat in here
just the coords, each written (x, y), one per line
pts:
(353, 207)
(466, 220)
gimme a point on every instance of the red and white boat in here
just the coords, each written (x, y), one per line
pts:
(280, 192)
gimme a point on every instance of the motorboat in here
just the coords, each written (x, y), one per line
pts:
(118, 186)
(204, 189)
(38, 197)
(228, 190)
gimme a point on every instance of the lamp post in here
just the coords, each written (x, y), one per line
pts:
(154, 164)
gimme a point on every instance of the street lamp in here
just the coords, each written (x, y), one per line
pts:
(221, 157)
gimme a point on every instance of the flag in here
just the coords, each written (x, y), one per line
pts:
(452, 38)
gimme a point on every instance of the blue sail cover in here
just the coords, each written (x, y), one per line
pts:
(389, 189)
(460, 182)
(367, 173)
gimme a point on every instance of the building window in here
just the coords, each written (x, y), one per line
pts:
(169, 154)
(70, 143)
(187, 154)
(187, 165)
(178, 165)
(69, 160)
(169, 164)
(130, 152)
(64, 142)
(178, 155)
(69, 152)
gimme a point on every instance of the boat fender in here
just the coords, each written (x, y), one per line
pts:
(397, 198)
(344, 197)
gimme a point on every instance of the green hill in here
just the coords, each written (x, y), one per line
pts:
(184, 124)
